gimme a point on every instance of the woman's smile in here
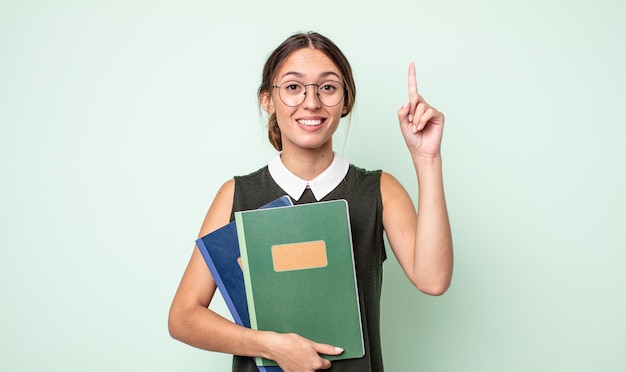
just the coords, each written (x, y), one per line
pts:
(310, 122)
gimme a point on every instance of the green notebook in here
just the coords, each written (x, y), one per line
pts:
(299, 275)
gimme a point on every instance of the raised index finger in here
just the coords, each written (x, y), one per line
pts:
(412, 79)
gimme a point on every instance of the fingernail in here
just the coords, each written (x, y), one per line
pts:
(410, 118)
(338, 349)
(414, 129)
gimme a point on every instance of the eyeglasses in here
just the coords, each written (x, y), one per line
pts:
(293, 93)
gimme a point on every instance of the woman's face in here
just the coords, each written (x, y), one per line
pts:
(311, 124)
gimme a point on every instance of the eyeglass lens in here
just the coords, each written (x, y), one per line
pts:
(293, 93)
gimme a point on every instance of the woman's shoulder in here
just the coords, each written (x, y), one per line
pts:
(257, 173)
(386, 180)
(362, 182)
(355, 169)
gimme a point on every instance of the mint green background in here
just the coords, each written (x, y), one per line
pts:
(119, 120)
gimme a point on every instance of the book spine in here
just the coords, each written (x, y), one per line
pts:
(241, 237)
(243, 251)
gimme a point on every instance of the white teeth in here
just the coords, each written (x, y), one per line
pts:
(310, 122)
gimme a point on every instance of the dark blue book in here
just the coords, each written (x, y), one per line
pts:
(220, 250)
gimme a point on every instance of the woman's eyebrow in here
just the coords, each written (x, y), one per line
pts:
(292, 73)
(330, 73)
(300, 75)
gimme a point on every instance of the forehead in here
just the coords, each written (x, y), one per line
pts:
(308, 63)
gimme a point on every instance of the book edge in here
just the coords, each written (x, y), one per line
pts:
(218, 280)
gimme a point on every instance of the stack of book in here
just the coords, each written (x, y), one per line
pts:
(290, 269)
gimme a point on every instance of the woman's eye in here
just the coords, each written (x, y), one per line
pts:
(293, 87)
(328, 88)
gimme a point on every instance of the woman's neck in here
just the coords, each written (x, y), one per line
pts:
(307, 164)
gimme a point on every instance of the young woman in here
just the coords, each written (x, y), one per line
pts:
(307, 88)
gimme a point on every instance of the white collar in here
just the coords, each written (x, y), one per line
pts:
(321, 185)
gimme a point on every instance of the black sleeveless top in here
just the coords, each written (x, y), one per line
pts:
(361, 189)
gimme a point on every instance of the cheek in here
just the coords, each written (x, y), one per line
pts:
(283, 110)
(284, 113)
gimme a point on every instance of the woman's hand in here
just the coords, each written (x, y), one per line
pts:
(421, 124)
(294, 353)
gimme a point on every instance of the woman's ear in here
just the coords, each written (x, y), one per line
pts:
(266, 103)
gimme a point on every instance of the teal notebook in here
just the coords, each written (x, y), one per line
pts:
(299, 274)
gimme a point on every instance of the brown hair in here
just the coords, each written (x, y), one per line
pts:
(293, 43)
